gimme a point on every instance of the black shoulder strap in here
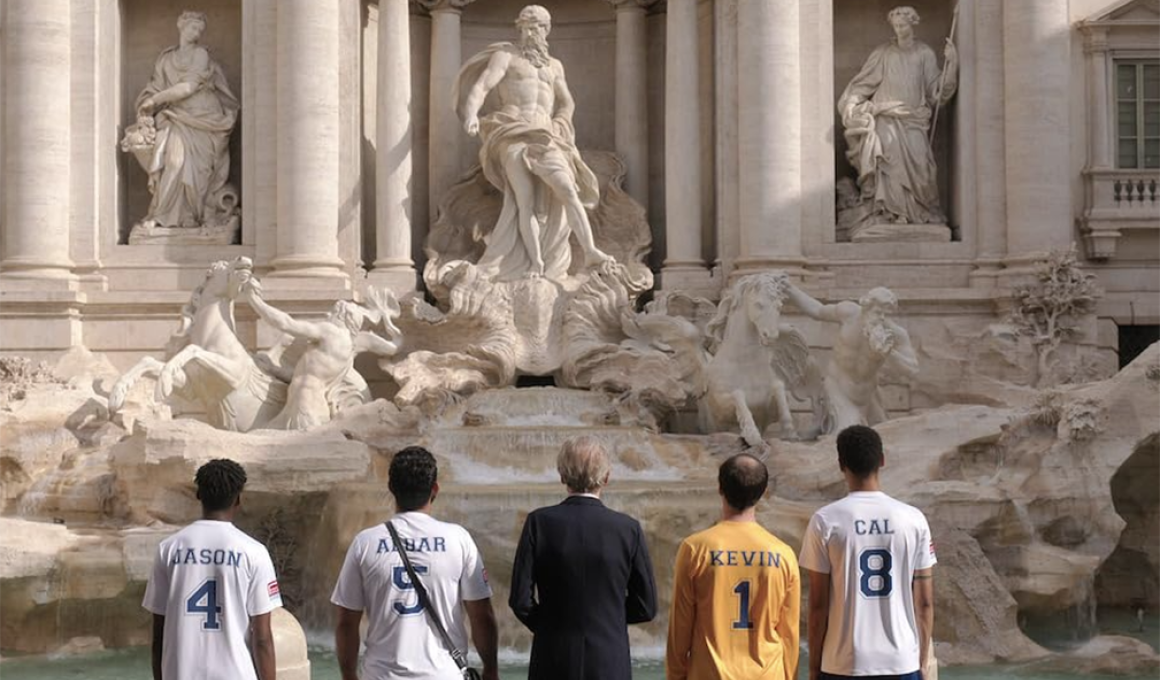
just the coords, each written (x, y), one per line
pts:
(425, 601)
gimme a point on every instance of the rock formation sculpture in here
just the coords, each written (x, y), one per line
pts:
(887, 112)
(182, 140)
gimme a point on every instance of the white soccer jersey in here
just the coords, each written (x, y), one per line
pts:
(401, 643)
(871, 545)
(208, 580)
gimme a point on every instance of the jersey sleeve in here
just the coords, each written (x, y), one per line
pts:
(684, 610)
(788, 622)
(814, 555)
(348, 592)
(265, 595)
(473, 583)
(924, 554)
(157, 590)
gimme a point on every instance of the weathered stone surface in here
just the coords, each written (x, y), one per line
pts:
(156, 465)
(1104, 655)
(61, 584)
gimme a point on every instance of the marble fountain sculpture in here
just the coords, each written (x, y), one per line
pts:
(888, 112)
(181, 139)
(536, 266)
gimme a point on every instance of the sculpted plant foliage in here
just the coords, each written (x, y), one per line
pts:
(1048, 310)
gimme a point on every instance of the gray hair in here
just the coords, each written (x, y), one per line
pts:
(905, 12)
(583, 464)
(189, 16)
(533, 14)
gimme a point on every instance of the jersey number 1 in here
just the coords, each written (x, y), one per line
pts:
(207, 593)
(742, 622)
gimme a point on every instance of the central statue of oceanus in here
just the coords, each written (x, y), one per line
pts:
(529, 153)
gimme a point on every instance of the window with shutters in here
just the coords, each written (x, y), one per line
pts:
(1138, 113)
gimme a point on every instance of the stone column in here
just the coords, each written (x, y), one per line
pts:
(1036, 41)
(632, 94)
(393, 267)
(684, 266)
(445, 128)
(37, 91)
(991, 181)
(1096, 51)
(308, 139)
(769, 134)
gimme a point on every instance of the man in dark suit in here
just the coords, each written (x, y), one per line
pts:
(582, 573)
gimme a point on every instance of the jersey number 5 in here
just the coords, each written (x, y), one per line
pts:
(874, 565)
(399, 576)
(204, 601)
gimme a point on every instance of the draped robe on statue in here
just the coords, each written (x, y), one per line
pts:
(191, 157)
(548, 145)
(896, 168)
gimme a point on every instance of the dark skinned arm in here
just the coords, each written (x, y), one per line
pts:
(346, 641)
(262, 646)
(819, 619)
(158, 641)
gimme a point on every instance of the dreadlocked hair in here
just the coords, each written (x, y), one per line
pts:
(219, 482)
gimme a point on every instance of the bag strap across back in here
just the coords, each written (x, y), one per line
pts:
(425, 600)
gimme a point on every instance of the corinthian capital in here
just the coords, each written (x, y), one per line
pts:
(442, 5)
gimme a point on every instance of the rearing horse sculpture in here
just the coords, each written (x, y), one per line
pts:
(756, 361)
(207, 364)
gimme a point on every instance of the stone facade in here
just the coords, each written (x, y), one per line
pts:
(724, 112)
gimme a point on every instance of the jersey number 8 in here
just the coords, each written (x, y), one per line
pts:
(874, 565)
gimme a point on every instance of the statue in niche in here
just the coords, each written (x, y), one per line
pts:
(182, 140)
(529, 154)
(867, 342)
(888, 111)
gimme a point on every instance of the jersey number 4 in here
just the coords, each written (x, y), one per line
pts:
(204, 601)
(403, 583)
(874, 566)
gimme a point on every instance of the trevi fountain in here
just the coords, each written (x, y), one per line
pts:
(304, 234)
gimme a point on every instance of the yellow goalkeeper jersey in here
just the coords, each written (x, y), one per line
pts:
(736, 602)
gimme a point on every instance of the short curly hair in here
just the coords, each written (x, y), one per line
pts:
(412, 479)
(904, 12)
(219, 483)
(859, 450)
(189, 16)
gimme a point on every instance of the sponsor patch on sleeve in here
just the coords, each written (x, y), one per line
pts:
(272, 589)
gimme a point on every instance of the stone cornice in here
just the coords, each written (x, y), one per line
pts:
(432, 6)
(631, 4)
